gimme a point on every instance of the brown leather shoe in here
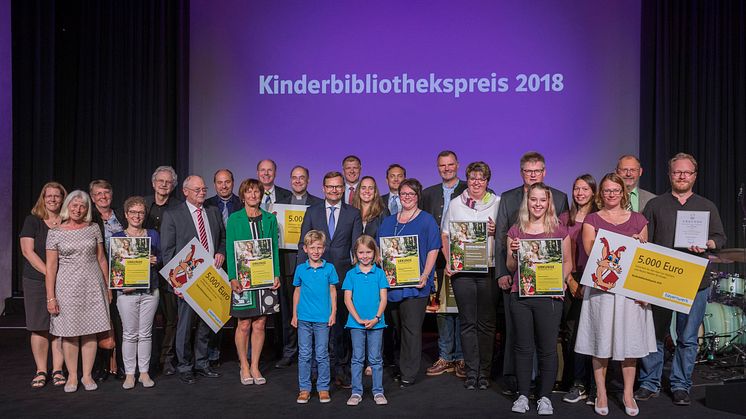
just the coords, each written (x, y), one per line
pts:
(460, 368)
(303, 397)
(439, 367)
(324, 397)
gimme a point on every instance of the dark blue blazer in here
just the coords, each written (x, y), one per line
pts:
(215, 201)
(338, 251)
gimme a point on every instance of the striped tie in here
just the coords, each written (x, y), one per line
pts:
(202, 231)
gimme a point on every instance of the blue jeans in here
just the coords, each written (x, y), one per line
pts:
(687, 326)
(313, 337)
(374, 339)
(449, 337)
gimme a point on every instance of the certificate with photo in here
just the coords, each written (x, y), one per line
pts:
(540, 268)
(289, 222)
(129, 262)
(692, 229)
(400, 259)
(182, 267)
(255, 267)
(468, 246)
(442, 299)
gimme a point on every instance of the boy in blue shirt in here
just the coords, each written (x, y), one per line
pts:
(365, 287)
(314, 311)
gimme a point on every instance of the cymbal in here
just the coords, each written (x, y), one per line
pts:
(732, 255)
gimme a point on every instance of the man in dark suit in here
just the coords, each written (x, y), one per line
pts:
(395, 174)
(533, 170)
(629, 169)
(180, 225)
(351, 168)
(266, 170)
(299, 196)
(227, 203)
(164, 181)
(435, 200)
(343, 225)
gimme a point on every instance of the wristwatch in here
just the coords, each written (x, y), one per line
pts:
(378, 318)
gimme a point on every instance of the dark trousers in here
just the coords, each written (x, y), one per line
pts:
(536, 324)
(508, 344)
(189, 359)
(575, 371)
(475, 299)
(289, 333)
(169, 310)
(407, 317)
(340, 351)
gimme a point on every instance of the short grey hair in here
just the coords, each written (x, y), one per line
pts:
(168, 169)
(189, 179)
(76, 194)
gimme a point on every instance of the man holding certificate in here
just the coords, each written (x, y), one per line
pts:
(180, 225)
(467, 233)
(669, 219)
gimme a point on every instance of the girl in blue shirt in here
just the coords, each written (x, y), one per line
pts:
(365, 288)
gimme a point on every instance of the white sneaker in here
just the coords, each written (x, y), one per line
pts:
(520, 405)
(544, 406)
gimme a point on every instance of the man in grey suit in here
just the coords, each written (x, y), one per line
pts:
(300, 196)
(533, 170)
(342, 225)
(266, 170)
(180, 225)
(629, 169)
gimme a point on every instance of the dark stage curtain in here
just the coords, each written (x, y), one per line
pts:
(99, 91)
(693, 98)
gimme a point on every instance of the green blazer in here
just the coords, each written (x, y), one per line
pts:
(238, 229)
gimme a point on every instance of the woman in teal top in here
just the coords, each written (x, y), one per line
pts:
(251, 308)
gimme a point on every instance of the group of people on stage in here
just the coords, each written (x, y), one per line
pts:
(337, 316)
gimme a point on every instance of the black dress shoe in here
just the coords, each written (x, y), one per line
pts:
(207, 372)
(169, 369)
(406, 384)
(342, 381)
(215, 363)
(187, 378)
(284, 363)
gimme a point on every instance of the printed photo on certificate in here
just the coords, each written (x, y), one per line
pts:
(540, 268)
(289, 222)
(182, 267)
(254, 263)
(468, 246)
(400, 259)
(129, 262)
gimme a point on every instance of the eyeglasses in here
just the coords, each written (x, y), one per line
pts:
(134, 213)
(532, 171)
(626, 171)
(612, 192)
(477, 179)
(340, 187)
(407, 194)
(197, 190)
(684, 173)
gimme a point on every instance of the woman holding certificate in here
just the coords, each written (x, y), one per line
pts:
(611, 325)
(536, 317)
(251, 307)
(406, 307)
(368, 200)
(474, 209)
(137, 306)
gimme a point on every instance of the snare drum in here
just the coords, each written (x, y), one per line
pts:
(730, 284)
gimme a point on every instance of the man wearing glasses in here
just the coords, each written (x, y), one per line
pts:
(533, 170)
(342, 225)
(164, 180)
(189, 220)
(629, 169)
(661, 213)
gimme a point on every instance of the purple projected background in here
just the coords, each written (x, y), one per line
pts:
(582, 128)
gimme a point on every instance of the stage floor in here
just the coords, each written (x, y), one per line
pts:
(431, 397)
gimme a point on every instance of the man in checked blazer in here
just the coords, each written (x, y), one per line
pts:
(179, 226)
(347, 228)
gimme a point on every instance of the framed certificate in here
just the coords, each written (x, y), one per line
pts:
(400, 259)
(540, 268)
(468, 246)
(442, 300)
(289, 222)
(692, 229)
(129, 262)
(255, 267)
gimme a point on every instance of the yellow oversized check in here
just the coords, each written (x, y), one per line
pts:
(646, 272)
(209, 295)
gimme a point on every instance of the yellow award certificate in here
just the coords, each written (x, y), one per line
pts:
(129, 262)
(255, 267)
(400, 258)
